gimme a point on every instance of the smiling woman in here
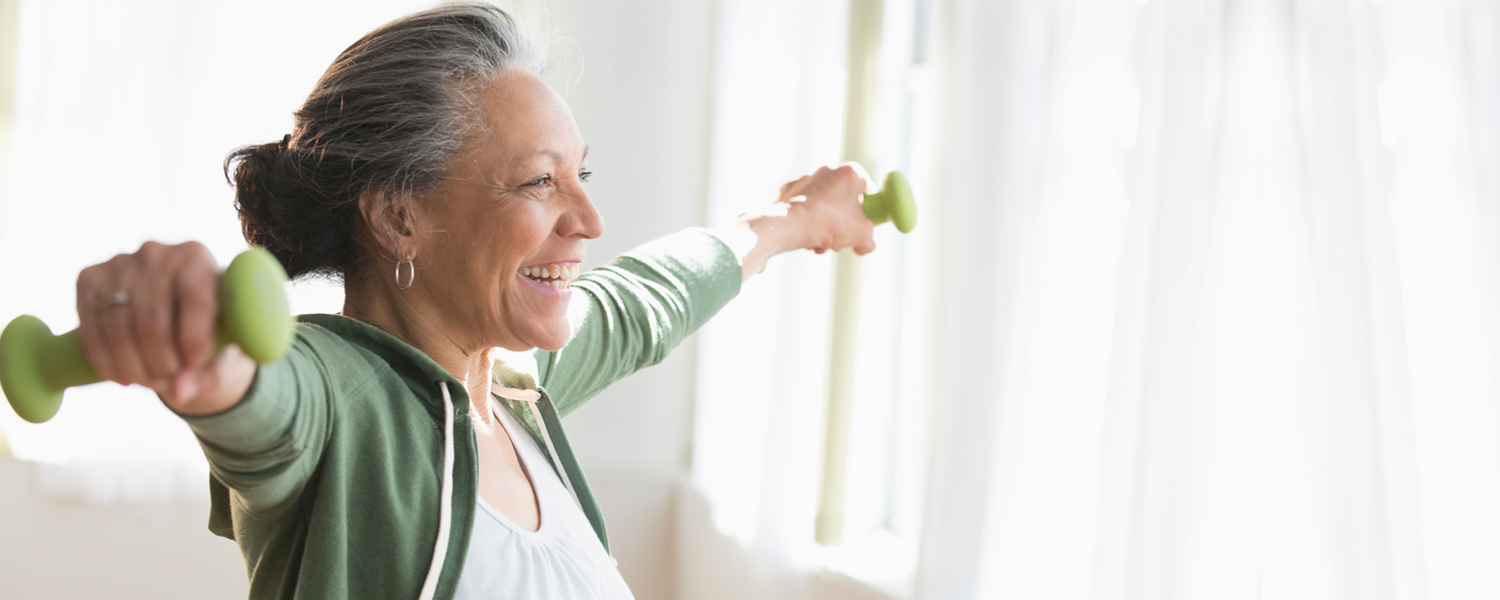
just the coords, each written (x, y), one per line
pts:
(442, 181)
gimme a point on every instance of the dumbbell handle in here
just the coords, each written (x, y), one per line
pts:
(36, 366)
(894, 202)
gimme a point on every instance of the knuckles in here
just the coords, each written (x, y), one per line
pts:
(838, 178)
(150, 252)
(153, 253)
(194, 246)
(87, 279)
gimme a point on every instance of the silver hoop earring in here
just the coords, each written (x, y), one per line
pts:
(410, 267)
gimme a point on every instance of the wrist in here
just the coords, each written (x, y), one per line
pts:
(775, 230)
(755, 237)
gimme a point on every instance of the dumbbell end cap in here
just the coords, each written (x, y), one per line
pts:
(255, 312)
(900, 201)
(20, 374)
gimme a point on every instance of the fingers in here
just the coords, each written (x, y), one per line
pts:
(793, 188)
(146, 317)
(151, 316)
(847, 179)
(105, 324)
(185, 386)
(826, 207)
(190, 383)
(213, 387)
(196, 288)
(91, 284)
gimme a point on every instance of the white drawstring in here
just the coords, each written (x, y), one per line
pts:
(530, 397)
(445, 511)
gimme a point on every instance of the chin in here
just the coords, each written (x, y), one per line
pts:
(550, 339)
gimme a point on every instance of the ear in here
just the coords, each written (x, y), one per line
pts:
(391, 220)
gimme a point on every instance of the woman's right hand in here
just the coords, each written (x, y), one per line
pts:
(150, 318)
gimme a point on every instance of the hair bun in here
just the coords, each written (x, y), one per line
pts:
(262, 191)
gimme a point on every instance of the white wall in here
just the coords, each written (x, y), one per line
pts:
(51, 549)
(639, 88)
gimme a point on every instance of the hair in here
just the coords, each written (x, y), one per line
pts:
(390, 115)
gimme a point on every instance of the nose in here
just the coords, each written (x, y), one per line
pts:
(583, 219)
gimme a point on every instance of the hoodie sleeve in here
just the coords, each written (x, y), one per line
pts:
(266, 447)
(630, 313)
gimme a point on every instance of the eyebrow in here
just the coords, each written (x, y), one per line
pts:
(557, 156)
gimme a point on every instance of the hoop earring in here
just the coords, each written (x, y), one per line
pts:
(411, 266)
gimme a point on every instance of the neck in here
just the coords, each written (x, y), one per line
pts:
(401, 314)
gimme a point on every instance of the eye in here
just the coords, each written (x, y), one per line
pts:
(543, 181)
(585, 175)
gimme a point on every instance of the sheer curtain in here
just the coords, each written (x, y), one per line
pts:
(1295, 289)
(1209, 289)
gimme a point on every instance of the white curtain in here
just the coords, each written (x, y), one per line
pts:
(1209, 287)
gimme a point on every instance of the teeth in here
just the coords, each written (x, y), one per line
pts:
(559, 275)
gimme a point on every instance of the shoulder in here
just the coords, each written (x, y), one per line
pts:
(324, 345)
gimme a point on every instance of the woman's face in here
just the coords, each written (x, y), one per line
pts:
(498, 241)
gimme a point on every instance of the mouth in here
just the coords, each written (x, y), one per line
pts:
(554, 275)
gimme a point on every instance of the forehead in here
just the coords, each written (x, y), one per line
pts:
(523, 116)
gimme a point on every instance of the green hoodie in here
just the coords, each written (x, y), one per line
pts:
(330, 472)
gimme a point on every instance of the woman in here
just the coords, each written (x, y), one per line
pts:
(390, 454)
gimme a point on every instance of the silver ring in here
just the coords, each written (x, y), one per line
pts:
(111, 298)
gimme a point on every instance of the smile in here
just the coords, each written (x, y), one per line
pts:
(556, 275)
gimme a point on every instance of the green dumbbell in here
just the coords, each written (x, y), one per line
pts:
(36, 366)
(894, 202)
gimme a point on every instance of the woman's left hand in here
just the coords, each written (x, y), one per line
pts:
(825, 213)
(819, 212)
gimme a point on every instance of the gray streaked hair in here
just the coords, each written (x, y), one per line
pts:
(391, 113)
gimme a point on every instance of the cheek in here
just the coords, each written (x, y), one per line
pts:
(523, 232)
(509, 243)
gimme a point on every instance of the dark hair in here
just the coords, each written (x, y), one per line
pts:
(391, 114)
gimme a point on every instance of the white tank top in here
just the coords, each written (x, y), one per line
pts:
(562, 559)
